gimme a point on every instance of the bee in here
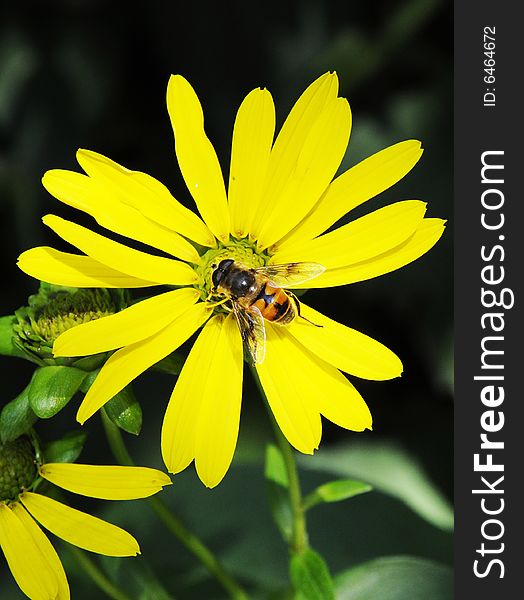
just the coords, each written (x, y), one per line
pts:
(258, 294)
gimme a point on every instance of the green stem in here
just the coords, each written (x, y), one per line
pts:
(299, 540)
(98, 577)
(173, 523)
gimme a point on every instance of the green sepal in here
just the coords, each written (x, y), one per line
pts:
(17, 417)
(124, 411)
(8, 347)
(91, 363)
(52, 387)
(310, 577)
(171, 364)
(277, 489)
(335, 491)
(88, 380)
(66, 449)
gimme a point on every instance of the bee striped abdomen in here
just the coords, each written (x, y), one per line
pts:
(275, 305)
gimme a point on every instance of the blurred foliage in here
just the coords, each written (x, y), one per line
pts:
(396, 578)
(92, 73)
(390, 470)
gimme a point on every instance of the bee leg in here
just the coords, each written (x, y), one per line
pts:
(297, 304)
(218, 303)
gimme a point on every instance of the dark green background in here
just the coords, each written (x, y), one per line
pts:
(93, 74)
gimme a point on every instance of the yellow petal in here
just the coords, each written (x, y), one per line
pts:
(46, 548)
(106, 482)
(292, 382)
(202, 418)
(359, 240)
(362, 182)
(129, 362)
(425, 237)
(344, 406)
(145, 194)
(122, 258)
(299, 386)
(103, 203)
(345, 348)
(27, 564)
(251, 147)
(79, 528)
(135, 323)
(315, 167)
(72, 270)
(196, 156)
(290, 140)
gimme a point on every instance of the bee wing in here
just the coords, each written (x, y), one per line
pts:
(291, 274)
(252, 330)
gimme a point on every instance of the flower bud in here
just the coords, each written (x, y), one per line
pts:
(18, 467)
(55, 309)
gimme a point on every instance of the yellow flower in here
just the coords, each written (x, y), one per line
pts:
(281, 197)
(32, 559)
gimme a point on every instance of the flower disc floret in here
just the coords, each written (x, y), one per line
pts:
(242, 251)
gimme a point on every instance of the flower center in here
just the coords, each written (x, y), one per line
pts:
(18, 468)
(241, 251)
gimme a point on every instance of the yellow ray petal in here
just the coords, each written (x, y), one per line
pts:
(292, 382)
(219, 418)
(362, 182)
(425, 237)
(129, 362)
(290, 140)
(359, 240)
(103, 203)
(25, 560)
(315, 167)
(46, 548)
(202, 417)
(345, 407)
(106, 482)
(196, 156)
(299, 386)
(72, 270)
(135, 323)
(145, 194)
(345, 348)
(250, 150)
(79, 528)
(122, 258)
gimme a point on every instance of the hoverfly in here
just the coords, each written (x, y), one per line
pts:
(258, 294)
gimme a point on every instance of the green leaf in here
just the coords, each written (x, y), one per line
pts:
(172, 364)
(52, 387)
(17, 417)
(335, 491)
(310, 576)
(277, 490)
(396, 578)
(66, 449)
(391, 470)
(125, 411)
(7, 345)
